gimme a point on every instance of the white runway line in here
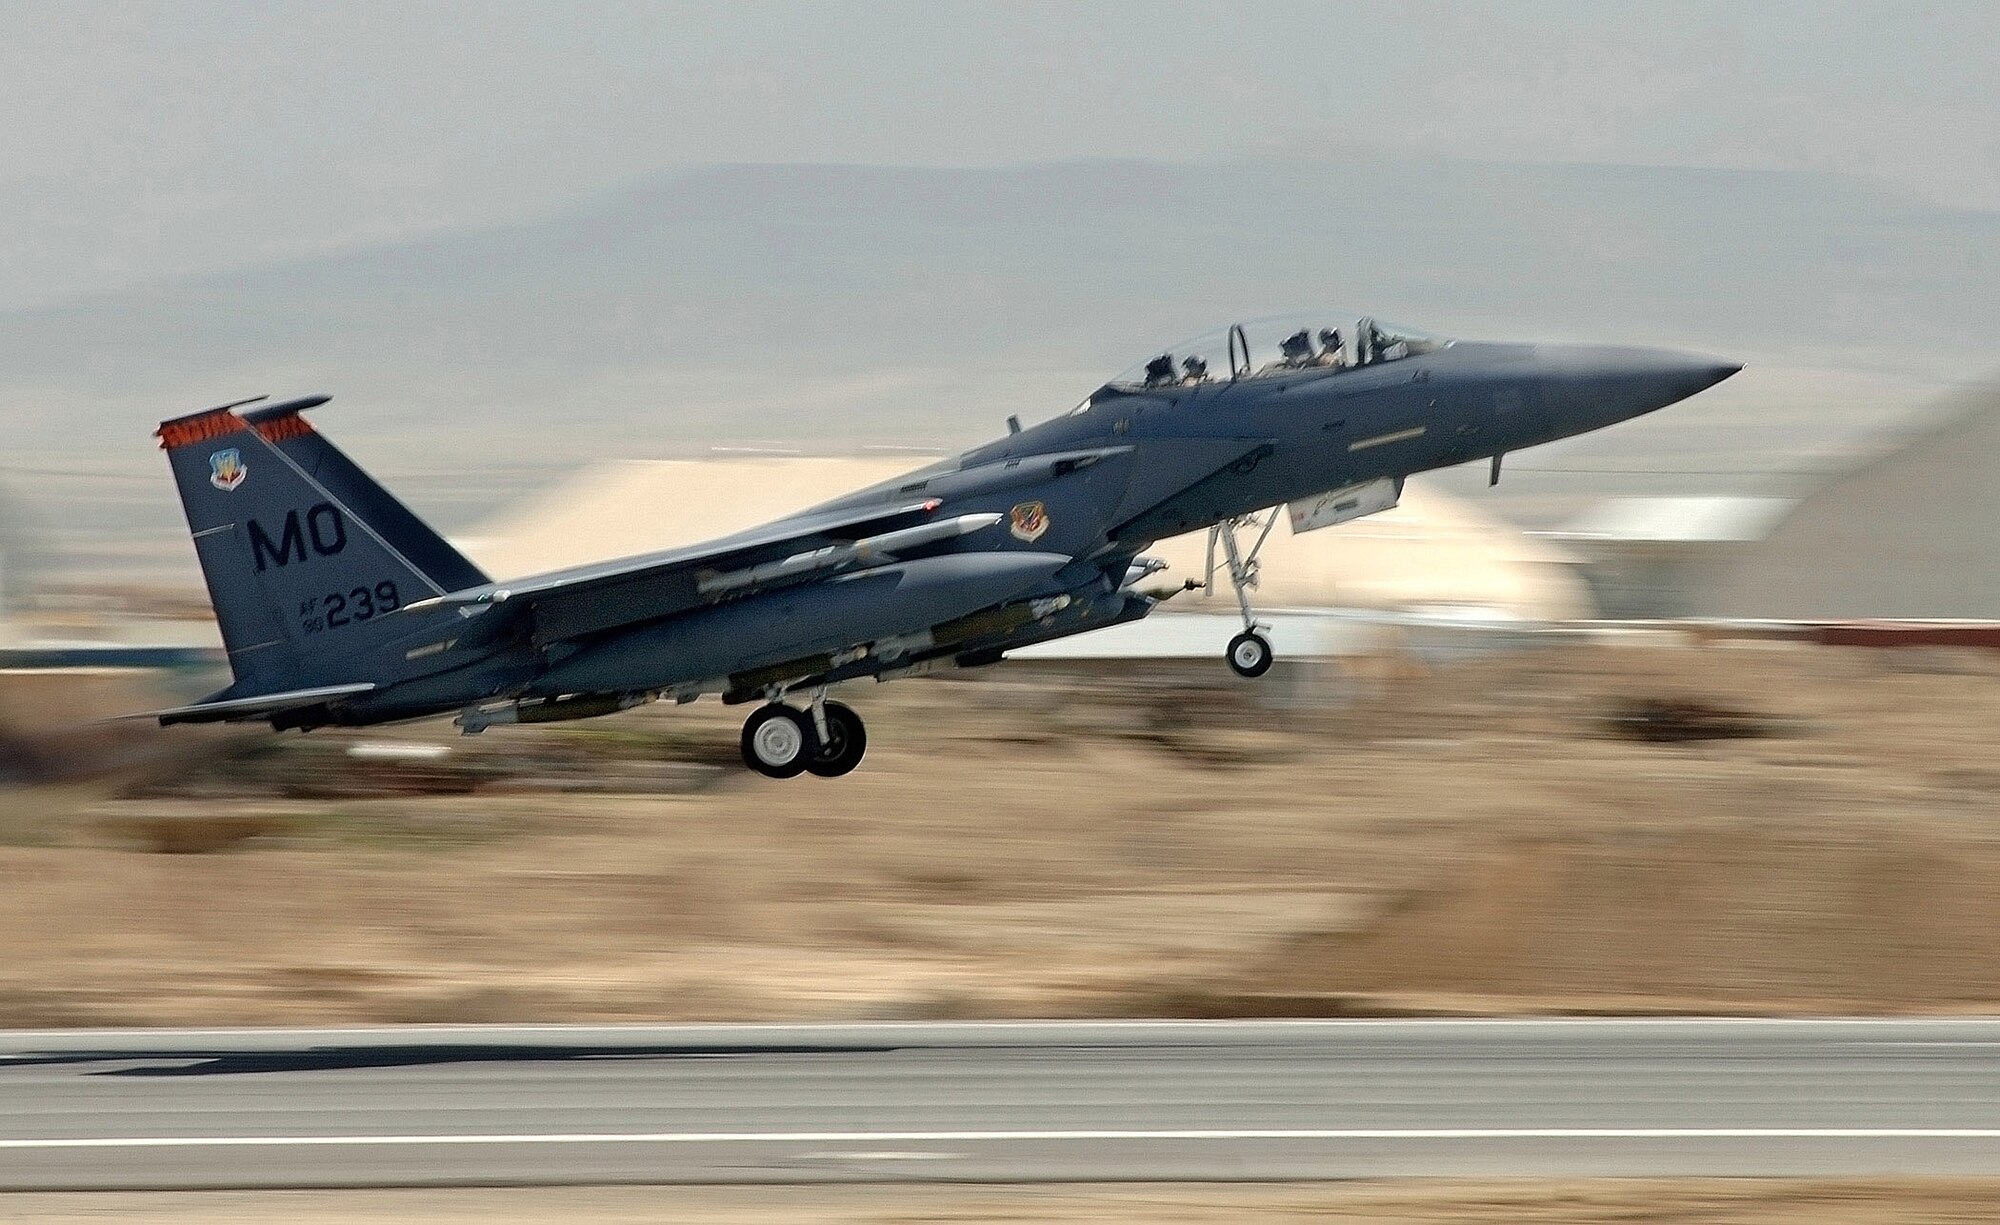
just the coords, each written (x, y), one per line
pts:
(942, 1137)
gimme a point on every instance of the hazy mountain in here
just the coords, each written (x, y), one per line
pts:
(830, 306)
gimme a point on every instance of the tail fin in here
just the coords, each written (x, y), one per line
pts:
(283, 427)
(304, 554)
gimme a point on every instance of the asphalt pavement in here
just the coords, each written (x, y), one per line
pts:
(1024, 1101)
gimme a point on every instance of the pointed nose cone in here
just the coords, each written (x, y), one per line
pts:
(1596, 385)
(1685, 374)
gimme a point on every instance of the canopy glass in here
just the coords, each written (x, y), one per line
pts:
(1278, 346)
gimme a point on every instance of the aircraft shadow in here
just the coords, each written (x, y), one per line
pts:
(168, 1063)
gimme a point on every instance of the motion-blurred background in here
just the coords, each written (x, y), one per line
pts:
(1689, 715)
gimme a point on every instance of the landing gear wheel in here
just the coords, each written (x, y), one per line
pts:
(846, 740)
(778, 741)
(1249, 654)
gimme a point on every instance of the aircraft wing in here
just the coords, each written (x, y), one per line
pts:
(605, 595)
(256, 707)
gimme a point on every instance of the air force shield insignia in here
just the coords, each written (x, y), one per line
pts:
(1028, 521)
(226, 469)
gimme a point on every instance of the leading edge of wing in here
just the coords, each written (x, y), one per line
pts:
(768, 536)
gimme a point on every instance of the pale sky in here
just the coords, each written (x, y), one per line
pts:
(144, 141)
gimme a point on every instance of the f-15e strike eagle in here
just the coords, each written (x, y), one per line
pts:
(340, 607)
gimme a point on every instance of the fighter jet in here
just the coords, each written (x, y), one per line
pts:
(340, 607)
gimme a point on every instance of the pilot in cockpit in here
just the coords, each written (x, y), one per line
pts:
(1193, 370)
(1330, 351)
(1385, 347)
(1160, 371)
(1295, 350)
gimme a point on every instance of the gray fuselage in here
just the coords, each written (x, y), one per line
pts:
(1078, 497)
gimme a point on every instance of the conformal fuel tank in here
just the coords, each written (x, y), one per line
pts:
(905, 598)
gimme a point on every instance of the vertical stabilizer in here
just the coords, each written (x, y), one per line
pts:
(305, 584)
(284, 427)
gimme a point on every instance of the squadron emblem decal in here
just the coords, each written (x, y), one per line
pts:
(226, 469)
(1028, 521)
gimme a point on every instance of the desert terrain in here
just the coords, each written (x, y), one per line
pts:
(1647, 824)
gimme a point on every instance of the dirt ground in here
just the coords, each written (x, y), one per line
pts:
(1518, 833)
(1415, 1202)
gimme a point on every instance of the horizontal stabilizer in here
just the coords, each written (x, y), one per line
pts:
(253, 707)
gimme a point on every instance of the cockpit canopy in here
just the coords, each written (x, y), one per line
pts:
(1276, 346)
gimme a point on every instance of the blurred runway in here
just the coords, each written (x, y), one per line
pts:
(996, 1102)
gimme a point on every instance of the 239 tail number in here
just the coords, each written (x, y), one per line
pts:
(338, 608)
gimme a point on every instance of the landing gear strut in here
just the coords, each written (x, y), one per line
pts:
(781, 741)
(1250, 651)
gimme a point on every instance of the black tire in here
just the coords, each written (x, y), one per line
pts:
(846, 741)
(1249, 654)
(778, 741)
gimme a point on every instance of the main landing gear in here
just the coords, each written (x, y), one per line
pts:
(1249, 652)
(827, 739)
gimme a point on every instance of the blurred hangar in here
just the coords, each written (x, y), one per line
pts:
(1913, 532)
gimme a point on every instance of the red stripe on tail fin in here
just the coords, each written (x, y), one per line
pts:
(278, 429)
(184, 431)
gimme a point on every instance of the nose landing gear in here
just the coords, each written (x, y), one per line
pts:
(781, 741)
(1249, 652)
